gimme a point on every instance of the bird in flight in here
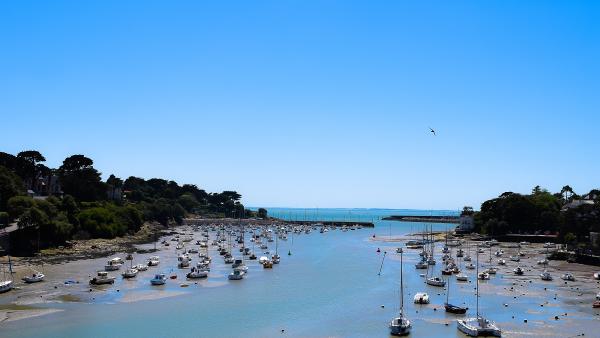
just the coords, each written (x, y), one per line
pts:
(432, 131)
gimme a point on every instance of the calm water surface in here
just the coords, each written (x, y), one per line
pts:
(328, 287)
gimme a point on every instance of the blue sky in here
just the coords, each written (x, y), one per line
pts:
(311, 104)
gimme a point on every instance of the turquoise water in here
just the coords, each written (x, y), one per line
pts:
(328, 287)
(350, 214)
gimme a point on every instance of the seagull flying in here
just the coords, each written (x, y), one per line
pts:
(432, 131)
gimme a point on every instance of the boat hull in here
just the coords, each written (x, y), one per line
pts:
(472, 329)
(399, 330)
(455, 309)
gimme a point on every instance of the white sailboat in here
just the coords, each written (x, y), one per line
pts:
(7, 284)
(131, 272)
(400, 325)
(478, 326)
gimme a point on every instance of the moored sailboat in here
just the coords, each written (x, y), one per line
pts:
(478, 326)
(400, 325)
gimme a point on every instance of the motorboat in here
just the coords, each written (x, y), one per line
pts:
(275, 259)
(159, 279)
(467, 258)
(435, 281)
(447, 271)
(202, 266)
(470, 266)
(102, 278)
(568, 277)
(183, 261)
(236, 275)
(518, 271)
(479, 326)
(546, 276)
(33, 278)
(141, 267)
(267, 264)
(543, 261)
(501, 262)
(597, 275)
(242, 268)
(421, 298)
(195, 274)
(414, 246)
(515, 258)
(462, 278)
(112, 265)
(153, 261)
(492, 270)
(117, 260)
(483, 276)
(421, 265)
(130, 273)
(263, 259)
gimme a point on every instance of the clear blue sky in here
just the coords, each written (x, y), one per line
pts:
(300, 103)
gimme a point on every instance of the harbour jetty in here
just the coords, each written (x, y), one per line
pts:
(430, 219)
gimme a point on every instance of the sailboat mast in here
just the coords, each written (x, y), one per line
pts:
(448, 292)
(401, 282)
(477, 289)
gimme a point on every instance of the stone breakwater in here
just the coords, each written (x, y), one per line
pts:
(426, 219)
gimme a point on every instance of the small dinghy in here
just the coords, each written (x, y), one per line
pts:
(455, 309)
(34, 278)
(421, 298)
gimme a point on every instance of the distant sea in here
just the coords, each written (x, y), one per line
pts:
(349, 214)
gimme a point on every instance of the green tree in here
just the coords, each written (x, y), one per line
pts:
(17, 205)
(262, 213)
(27, 164)
(467, 211)
(567, 192)
(10, 186)
(79, 179)
(188, 202)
